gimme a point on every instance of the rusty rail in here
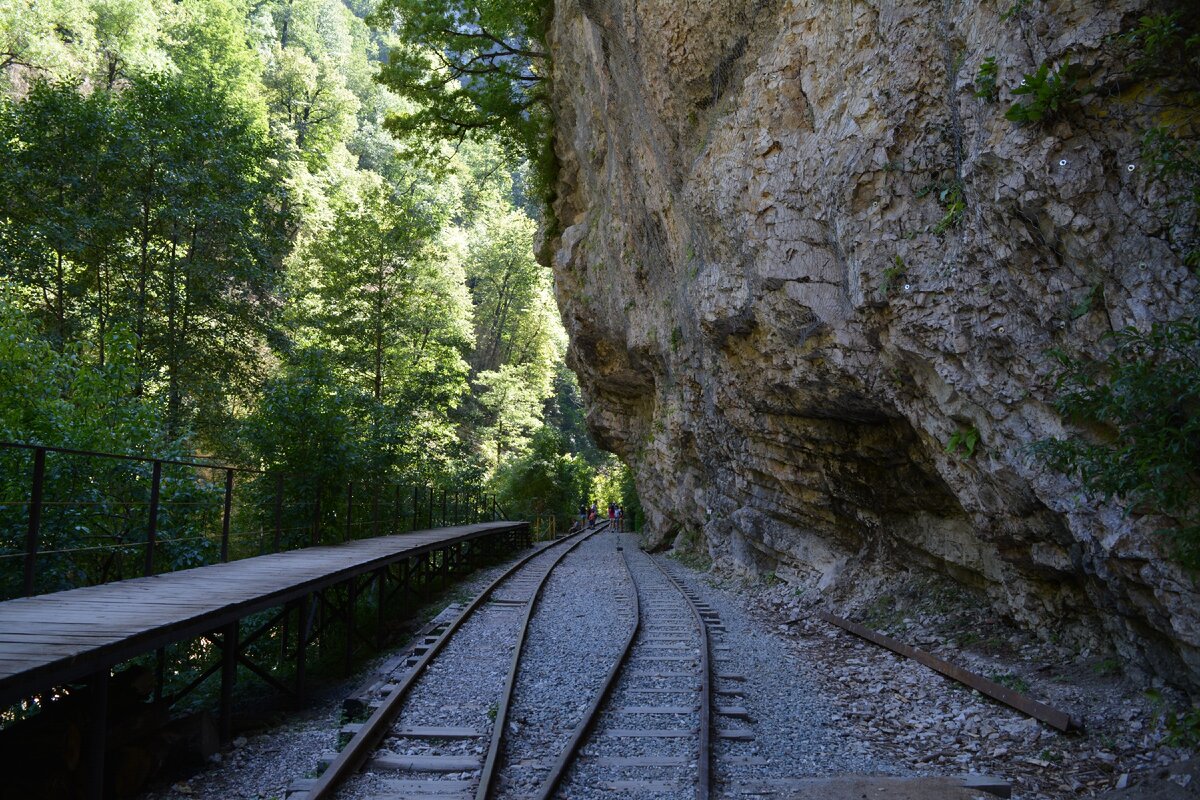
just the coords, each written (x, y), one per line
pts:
(1039, 711)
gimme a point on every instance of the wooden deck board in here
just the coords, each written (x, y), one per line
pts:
(52, 639)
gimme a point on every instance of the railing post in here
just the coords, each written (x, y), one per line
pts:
(443, 507)
(349, 510)
(494, 517)
(413, 526)
(456, 519)
(432, 492)
(225, 519)
(396, 511)
(278, 513)
(35, 517)
(152, 522)
(316, 530)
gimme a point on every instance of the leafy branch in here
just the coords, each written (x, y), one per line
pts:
(1143, 405)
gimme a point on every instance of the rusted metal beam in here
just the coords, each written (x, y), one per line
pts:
(1040, 711)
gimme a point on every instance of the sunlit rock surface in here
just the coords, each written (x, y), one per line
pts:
(781, 323)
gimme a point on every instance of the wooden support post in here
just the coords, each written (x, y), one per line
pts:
(225, 517)
(349, 511)
(97, 734)
(160, 671)
(348, 615)
(33, 530)
(229, 653)
(432, 492)
(380, 595)
(303, 621)
(405, 581)
(443, 508)
(152, 517)
(413, 526)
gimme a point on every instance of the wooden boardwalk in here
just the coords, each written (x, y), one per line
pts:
(53, 639)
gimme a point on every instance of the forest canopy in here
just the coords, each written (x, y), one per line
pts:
(212, 242)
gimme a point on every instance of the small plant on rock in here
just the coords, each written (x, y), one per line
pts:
(1048, 94)
(952, 200)
(986, 86)
(892, 276)
(963, 442)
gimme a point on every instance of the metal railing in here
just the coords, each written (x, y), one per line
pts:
(72, 517)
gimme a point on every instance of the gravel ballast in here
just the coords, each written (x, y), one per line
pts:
(574, 638)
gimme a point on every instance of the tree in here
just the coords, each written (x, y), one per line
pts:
(473, 70)
(394, 319)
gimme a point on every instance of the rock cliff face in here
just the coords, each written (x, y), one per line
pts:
(799, 257)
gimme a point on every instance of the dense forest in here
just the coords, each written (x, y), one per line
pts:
(216, 241)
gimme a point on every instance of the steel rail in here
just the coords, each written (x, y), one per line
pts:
(199, 464)
(488, 774)
(558, 770)
(373, 731)
(703, 765)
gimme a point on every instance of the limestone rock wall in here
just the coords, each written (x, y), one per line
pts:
(780, 324)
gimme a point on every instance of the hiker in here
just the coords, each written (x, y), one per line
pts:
(612, 516)
(620, 519)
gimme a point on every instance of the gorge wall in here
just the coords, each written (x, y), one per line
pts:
(781, 315)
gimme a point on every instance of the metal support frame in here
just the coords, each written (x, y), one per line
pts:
(415, 577)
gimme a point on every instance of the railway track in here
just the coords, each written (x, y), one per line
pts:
(645, 728)
(671, 711)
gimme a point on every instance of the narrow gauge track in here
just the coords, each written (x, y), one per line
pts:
(518, 587)
(651, 730)
(647, 731)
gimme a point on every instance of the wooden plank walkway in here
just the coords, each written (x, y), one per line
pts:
(57, 638)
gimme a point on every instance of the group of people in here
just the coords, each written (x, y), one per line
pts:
(588, 515)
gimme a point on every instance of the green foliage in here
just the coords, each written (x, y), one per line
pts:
(1163, 45)
(893, 275)
(676, 338)
(1012, 681)
(471, 71)
(1088, 301)
(203, 213)
(1014, 10)
(1141, 405)
(152, 208)
(952, 201)
(1049, 94)
(547, 480)
(962, 443)
(68, 398)
(986, 80)
(1183, 728)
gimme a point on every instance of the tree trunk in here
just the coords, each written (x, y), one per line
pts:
(143, 281)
